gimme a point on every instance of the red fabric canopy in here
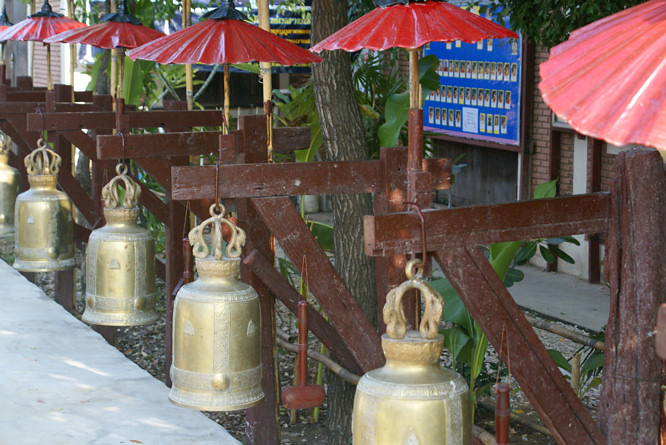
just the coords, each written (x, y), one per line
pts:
(109, 35)
(411, 26)
(608, 80)
(39, 28)
(223, 41)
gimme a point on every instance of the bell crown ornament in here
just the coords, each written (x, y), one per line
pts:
(120, 261)
(43, 218)
(10, 181)
(412, 400)
(216, 362)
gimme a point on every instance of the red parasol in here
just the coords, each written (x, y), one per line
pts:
(223, 38)
(608, 80)
(119, 30)
(410, 24)
(40, 26)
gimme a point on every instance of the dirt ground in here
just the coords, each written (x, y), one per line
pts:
(145, 346)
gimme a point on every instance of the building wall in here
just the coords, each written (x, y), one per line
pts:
(39, 54)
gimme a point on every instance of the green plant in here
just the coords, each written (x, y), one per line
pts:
(465, 339)
(591, 365)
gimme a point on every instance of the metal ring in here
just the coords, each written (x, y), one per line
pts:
(414, 268)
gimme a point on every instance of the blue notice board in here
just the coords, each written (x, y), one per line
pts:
(479, 94)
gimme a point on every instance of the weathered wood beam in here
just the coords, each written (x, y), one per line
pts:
(491, 305)
(160, 145)
(260, 180)
(261, 267)
(345, 314)
(291, 138)
(400, 233)
(90, 120)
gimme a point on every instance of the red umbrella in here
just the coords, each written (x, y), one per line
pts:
(119, 30)
(40, 26)
(608, 80)
(223, 38)
(411, 24)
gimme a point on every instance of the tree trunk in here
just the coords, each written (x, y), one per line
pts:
(344, 138)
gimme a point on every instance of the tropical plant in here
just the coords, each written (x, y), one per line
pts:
(591, 365)
(464, 338)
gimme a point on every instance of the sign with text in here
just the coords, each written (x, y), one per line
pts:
(479, 94)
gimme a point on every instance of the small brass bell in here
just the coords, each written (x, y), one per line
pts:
(216, 327)
(411, 400)
(120, 262)
(10, 183)
(44, 239)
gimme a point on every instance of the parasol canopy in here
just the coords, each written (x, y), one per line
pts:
(40, 26)
(119, 29)
(412, 24)
(223, 38)
(608, 80)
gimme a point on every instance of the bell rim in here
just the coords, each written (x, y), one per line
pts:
(25, 266)
(102, 322)
(216, 408)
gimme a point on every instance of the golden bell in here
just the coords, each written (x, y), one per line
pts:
(44, 239)
(411, 400)
(216, 327)
(10, 183)
(120, 262)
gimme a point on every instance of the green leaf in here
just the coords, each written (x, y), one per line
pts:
(323, 233)
(593, 364)
(525, 253)
(547, 254)
(513, 276)
(593, 384)
(133, 81)
(546, 190)
(571, 239)
(455, 340)
(559, 360)
(428, 76)
(249, 67)
(562, 254)
(396, 113)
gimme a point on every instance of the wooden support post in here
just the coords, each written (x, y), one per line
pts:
(391, 198)
(64, 289)
(635, 268)
(262, 426)
(594, 152)
(174, 245)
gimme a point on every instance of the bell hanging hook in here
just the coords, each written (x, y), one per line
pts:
(424, 249)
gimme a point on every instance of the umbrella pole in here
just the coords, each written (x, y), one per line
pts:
(414, 96)
(227, 97)
(49, 85)
(113, 78)
(189, 87)
(121, 71)
(267, 81)
(72, 50)
(415, 132)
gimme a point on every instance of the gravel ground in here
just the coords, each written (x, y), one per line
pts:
(145, 346)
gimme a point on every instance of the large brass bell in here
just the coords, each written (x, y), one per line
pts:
(411, 400)
(44, 239)
(10, 183)
(216, 326)
(120, 262)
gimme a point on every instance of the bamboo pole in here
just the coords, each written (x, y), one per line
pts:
(113, 70)
(49, 76)
(267, 81)
(72, 49)
(227, 99)
(189, 83)
(121, 71)
(414, 96)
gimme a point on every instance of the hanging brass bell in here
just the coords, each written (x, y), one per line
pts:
(120, 261)
(411, 400)
(44, 239)
(10, 183)
(216, 326)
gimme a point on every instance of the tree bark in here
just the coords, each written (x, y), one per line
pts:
(344, 139)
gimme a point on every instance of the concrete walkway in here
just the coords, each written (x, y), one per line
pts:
(61, 383)
(563, 297)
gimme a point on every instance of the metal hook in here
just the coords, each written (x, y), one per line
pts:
(45, 133)
(423, 230)
(217, 186)
(122, 137)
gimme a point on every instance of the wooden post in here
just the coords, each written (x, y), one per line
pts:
(174, 244)
(261, 422)
(635, 268)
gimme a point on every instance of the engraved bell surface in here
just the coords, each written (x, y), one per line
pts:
(216, 328)
(411, 400)
(10, 184)
(44, 238)
(120, 262)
